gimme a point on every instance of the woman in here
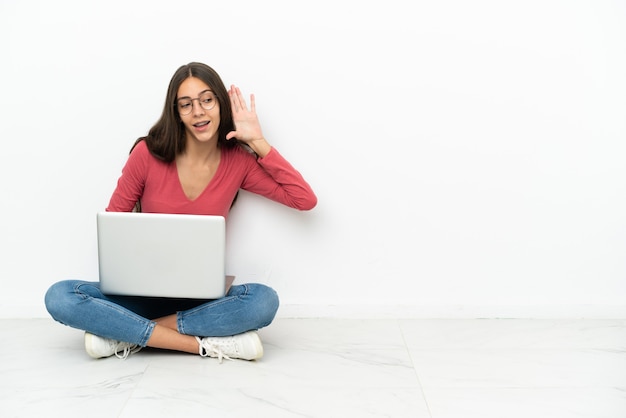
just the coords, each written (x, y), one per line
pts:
(206, 146)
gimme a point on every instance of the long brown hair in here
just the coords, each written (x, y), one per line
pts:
(166, 139)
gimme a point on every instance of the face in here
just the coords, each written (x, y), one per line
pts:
(199, 110)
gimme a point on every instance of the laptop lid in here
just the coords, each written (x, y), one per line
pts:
(162, 255)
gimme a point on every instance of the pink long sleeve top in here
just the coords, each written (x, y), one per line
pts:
(156, 184)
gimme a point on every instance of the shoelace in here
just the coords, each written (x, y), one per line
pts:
(211, 348)
(126, 350)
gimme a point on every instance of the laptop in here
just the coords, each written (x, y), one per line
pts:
(162, 255)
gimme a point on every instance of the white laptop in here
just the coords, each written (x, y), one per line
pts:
(162, 255)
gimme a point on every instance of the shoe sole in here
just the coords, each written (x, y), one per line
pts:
(88, 344)
(255, 346)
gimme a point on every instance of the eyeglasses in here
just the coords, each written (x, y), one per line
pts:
(206, 99)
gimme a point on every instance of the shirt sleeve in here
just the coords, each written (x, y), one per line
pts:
(131, 183)
(275, 178)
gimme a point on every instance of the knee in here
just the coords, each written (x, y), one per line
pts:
(53, 298)
(267, 303)
(57, 299)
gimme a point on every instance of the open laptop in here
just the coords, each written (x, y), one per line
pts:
(162, 255)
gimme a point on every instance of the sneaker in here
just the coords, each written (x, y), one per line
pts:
(246, 346)
(99, 347)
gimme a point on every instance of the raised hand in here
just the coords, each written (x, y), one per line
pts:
(247, 126)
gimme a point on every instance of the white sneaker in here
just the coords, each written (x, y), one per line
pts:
(99, 347)
(246, 346)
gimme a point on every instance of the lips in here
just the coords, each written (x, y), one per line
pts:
(201, 124)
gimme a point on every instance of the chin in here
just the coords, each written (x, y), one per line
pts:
(206, 138)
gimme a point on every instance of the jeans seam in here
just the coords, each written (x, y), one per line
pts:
(194, 311)
(135, 317)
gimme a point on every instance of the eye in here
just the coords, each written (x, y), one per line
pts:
(208, 98)
(184, 105)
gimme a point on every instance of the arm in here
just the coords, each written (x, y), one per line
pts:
(272, 176)
(275, 178)
(131, 183)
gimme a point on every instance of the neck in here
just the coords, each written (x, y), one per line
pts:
(201, 152)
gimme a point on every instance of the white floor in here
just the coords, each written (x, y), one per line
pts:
(332, 368)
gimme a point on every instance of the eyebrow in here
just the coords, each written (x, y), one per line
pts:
(199, 94)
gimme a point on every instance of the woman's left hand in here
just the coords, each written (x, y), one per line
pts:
(247, 126)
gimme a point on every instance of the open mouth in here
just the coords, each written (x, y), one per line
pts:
(201, 124)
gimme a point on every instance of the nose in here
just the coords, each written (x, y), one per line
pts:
(197, 108)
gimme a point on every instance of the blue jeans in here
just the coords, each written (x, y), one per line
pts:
(80, 304)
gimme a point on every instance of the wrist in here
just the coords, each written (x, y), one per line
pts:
(260, 146)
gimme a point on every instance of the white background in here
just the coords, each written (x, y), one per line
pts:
(468, 156)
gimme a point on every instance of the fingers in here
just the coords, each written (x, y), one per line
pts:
(237, 100)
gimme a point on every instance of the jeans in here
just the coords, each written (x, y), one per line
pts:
(80, 304)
